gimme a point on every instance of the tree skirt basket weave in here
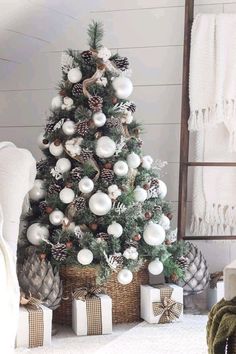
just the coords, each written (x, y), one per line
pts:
(125, 298)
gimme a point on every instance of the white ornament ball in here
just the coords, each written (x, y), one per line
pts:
(99, 119)
(133, 160)
(68, 127)
(140, 194)
(56, 217)
(155, 267)
(36, 233)
(125, 276)
(131, 253)
(154, 234)
(38, 191)
(106, 147)
(56, 102)
(115, 229)
(123, 87)
(86, 185)
(74, 75)
(43, 143)
(63, 165)
(120, 168)
(147, 162)
(100, 203)
(56, 150)
(164, 222)
(162, 189)
(67, 195)
(85, 256)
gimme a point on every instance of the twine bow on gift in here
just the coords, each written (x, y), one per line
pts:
(29, 300)
(168, 308)
(84, 293)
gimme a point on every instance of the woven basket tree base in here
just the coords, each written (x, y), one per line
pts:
(125, 298)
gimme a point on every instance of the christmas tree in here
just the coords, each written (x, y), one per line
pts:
(97, 200)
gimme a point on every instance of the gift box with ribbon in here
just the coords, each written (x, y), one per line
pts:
(161, 303)
(91, 312)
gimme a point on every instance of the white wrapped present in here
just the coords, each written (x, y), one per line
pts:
(161, 303)
(34, 326)
(91, 313)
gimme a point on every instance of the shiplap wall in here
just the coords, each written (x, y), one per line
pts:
(150, 32)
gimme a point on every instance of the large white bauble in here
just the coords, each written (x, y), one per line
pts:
(86, 185)
(106, 147)
(133, 160)
(56, 150)
(56, 217)
(120, 168)
(154, 234)
(162, 189)
(85, 256)
(140, 194)
(125, 276)
(74, 75)
(67, 195)
(115, 229)
(63, 165)
(100, 204)
(123, 87)
(43, 143)
(68, 127)
(99, 119)
(37, 233)
(56, 102)
(164, 222)
(38, 191)
(155, 267)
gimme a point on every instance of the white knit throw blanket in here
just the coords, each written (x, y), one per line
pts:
(213, 119)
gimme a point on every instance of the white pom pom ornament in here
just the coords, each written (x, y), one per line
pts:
(164, 222)
(115, 229)
(38, 191)
(125, 276)
(131, 253)
(56, 150)
(86, 185)
(56, 102)
(123, 87)
(68, 127)
(63, 165)
(85, 256)
(67, 195)
(147, 162)
(100, 203)
(140, 194)
(74, 75)
(56, 217)
(36, 233)
(155, 267)
(99, 119)
(133, 160)
(153, 234)
(162, 189)
(106, 147)
(120, 168)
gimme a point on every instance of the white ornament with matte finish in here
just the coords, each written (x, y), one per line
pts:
(67, 195)
(105, 147)
(162, 189)
(164, 222)
(131, 253)
(147, 162)
(123, 87)
(68, 127)
(36, 233)
(115, 229)
(56, 150)
(86, 185)
(56, 103)
(63, 165)
(155, 267)
(121, 168)
(56, 217)
(100, 203)
(140, 194)
(43, 143)
(154, 234)
(99, 119)
(85, 256)
(74, 75)
(37, 192)
(125, 276)
(133, 160)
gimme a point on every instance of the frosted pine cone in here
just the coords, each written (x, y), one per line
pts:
(86, 155)
(107, 175)
(122, 63)
(83, 128)
(131, 107)
(42, 165)
(103, 235)
(59, 252)
(79, 204)
(77, 90)
(49, 127)
(87, 56)
(114, 123)
(95, 103)
(76, 174)
(43, 206)
(54, 188)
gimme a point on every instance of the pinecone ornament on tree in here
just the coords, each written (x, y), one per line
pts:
(76, 174)
(131, 107)
(182, 262)
(83, 128)
(49, 127)
(42, 165)
(103, 236)
(54, 188)
(122, 63)
(107, 175)
(87, 56)
(114, 123)
(59, 252)
(77, 90)
(43, 207)
(86, 155)
(79, 204)
(95, 103)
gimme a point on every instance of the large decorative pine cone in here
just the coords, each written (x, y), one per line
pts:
(103, 235)
(107, 175)
(76, 174)
(54, 188)
(122, 63)
(83, 128)
(79, 204)
(41, 280)
(49, 127)
(77, 90)
(87, 56)
(85, 155)
(196, 276)
(95, 103)
(59, 252)
(131, 107)
(42, 165)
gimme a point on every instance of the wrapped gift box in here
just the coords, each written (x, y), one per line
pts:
(156, 300)
(92, 316)
(215, 294)
(34, 327)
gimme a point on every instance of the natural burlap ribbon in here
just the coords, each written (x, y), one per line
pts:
(169, 309)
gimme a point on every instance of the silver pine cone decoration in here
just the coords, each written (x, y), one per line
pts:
(41, 280)
(59, 252)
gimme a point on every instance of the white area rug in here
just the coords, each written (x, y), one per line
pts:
(186, 337)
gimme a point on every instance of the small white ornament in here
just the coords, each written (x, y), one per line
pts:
(56, 102)
(114, 191)
(104, 54)
(155, 267)
(36, 233)
(102, 81)
(63, 165)
(85, 256)
(38, 191)
(131, 253)
(73, 146)
(67, 195)
(140, 194)
(164, 222)
(125, 276)
(67, 103)
(120, 168)
(43, 143)
(106, 147)
(78, 232)
(99, 119)
(133, 160)
(162, 189)
(56, 217)
(153, 234)
(68, 127)
(147, 162)
(115, 229)
(100, 203)
(86, 185)
(74, 75)
(56, 150)
(123, 87)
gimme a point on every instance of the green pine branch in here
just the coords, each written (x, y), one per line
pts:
(95, 33)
